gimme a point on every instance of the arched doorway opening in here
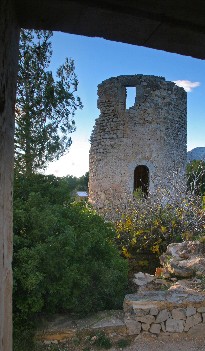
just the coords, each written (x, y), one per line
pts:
(141, 179)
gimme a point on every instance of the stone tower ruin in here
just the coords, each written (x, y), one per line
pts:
(136, 147)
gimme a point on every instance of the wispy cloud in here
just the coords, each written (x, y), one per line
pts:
(187, 85)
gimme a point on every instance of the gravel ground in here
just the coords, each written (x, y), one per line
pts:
(175, 342)
(167, 343)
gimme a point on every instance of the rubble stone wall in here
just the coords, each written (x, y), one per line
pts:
(150, 133)
(164, 312)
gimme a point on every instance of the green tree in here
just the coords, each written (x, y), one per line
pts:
(77, 184)
(45, 105)
(83, 182)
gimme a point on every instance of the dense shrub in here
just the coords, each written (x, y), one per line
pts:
(151, 223)
(196, 177)
(65, 258)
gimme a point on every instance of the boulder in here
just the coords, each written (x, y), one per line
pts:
(184, 259)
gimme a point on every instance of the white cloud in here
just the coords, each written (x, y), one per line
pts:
(187, 85)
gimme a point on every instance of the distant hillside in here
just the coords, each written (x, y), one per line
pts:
(198, 153)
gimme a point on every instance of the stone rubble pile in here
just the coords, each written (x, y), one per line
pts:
(186, 259)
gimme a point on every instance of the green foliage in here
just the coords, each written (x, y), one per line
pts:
(196, 177)
(149, 225)
(100, 340)
(80, 183)
(103, 341)
(45, 105)
(23, 335)
(64, 255)
(122, 343)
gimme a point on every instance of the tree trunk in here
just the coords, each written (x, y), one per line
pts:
(9, 36)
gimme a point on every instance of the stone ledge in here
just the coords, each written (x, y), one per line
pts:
(67, 327)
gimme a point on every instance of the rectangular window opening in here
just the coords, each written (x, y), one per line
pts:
(131, 98)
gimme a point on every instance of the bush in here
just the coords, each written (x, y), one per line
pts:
(151, 223)
(196, 177)
(65, 259)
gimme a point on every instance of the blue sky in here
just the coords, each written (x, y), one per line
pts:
(98, 59)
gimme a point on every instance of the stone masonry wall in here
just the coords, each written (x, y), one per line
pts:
(165, 312)
(151, 133)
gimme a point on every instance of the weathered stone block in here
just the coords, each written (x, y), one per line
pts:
(162, 316)
(174, 326)
(140, 312)
(133, 327)
(154, 311)
(145, 327)
(155, 328)
(146, 319)
(141, 279)
(192, 320)
(179, 313)
(197, 330)
(163, 327)
(190, 311)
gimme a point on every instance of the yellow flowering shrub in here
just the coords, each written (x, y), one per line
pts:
(148, 226)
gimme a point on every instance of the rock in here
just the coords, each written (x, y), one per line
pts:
(179, 270)
(179, 313)
(187, 285)
(154, 311)
(47, 342)
(199, 274)
(163, 327)
(197, 331)
(203, 317)
(155, 328)
(166, 275)
(133, 327)
(174, 326)
(197, 281)
(192, 320)
(55, 342)
(201, 309)
(155, 284)
(146, 319)
(174, 280)
(190, 311)
(145, 327)
(162, 316)
(140, 312)
(184, 259)
(141, 279)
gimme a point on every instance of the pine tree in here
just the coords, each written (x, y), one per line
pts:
(45, 105)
